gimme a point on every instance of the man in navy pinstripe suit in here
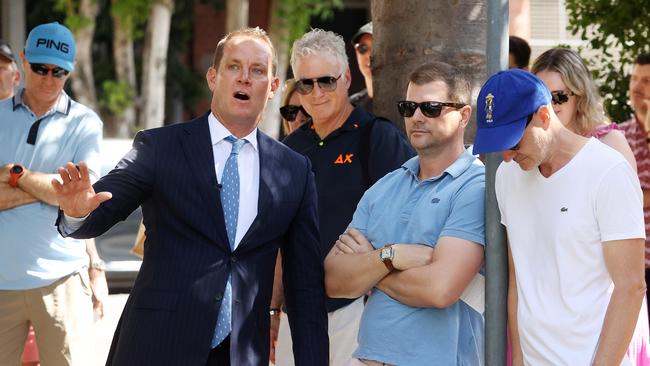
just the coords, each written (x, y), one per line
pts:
(190, 270)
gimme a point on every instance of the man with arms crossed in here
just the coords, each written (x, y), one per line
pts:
(219, 198)
(45, 280)
(416, 239)
(572, 209)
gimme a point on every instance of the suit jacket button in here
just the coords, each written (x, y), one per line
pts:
(218, 297)
(233, 259)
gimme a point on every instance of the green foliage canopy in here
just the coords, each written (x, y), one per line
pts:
(619, 30)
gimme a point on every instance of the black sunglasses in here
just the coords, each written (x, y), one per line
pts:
(290, 112)
(326, 83)
(516, 147)
(560, 96)
(362, 48)
(431, 109)
(41, 69)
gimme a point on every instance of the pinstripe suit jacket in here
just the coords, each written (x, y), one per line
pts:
(172, 310)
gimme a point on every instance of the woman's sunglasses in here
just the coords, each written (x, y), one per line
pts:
(41, 69)
(560, 96)
(290, 112)
(326, 83)
(362, 48)
(432, 109)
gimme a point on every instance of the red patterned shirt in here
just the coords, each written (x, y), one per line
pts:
(637, 137)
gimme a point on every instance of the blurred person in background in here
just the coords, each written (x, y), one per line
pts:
(9, 73)
(362, 43)
(518, 53)
(293, 114)
(636, 131)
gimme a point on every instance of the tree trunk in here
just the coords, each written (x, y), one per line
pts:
(83, 81)
(125, 73)
(154, 62)
(279, 34)
(455, 34)
(236, 14)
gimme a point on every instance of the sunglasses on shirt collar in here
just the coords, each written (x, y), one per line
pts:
(430, 109)
(41, 69)
(290, 112)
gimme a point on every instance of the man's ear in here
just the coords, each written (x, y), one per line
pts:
(211, 78)
(544, 114)
(275, 84)
(348, 77)
(466, 113)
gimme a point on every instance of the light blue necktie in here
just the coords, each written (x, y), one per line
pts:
(230, 204)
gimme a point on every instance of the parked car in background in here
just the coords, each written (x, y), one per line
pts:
(114, 246)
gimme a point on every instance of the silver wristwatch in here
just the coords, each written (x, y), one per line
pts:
(98, 265)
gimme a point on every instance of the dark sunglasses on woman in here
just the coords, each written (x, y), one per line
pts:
(326, 83)
(41, 69)
(362, 48)
(290, 112)
(560, 96)
(431, 109)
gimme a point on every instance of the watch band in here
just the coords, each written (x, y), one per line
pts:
(98, 265)
(15, 173)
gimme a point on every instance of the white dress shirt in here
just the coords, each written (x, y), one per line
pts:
(249, 172)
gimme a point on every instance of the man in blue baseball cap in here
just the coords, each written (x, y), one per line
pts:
(45, 280)
(572, 208)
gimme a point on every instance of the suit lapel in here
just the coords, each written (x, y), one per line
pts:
(199, 155)
(268, 163)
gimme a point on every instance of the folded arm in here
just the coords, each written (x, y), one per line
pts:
(440, 283)
(625, 264)
(353, 266)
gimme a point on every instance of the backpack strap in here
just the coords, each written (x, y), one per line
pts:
(364, 151)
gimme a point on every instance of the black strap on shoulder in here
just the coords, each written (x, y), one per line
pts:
(364, 151)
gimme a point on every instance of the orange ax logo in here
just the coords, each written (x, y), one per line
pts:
(342, 160)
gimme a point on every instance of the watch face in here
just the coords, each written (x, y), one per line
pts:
(386, 253)
(16, 169)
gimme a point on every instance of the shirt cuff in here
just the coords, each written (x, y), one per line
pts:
(71, 224)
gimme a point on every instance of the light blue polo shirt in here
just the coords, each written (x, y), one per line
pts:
(32, 253)
(400, 208)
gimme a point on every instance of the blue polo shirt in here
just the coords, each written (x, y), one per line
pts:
(402, 209)
(32, 253)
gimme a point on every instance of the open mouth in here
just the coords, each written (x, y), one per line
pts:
(242, 96)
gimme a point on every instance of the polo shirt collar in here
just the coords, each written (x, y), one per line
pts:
(219, 132)
(62, 104)
(462, 163)
(351, 123)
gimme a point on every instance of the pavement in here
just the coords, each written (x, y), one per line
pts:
(104, 328)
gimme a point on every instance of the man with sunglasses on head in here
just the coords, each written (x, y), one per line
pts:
(417, 236)
(350, 149)
(572, 208)
(44, 278)
(362, 43)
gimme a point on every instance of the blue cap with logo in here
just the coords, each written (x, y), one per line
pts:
(51, 43)
(506, 100)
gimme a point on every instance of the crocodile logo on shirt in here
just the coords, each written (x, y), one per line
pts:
(435, 200)
(564, 209)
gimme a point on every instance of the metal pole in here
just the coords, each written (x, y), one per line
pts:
(496, 262)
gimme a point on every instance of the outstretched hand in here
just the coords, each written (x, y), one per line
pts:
(75, 193)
